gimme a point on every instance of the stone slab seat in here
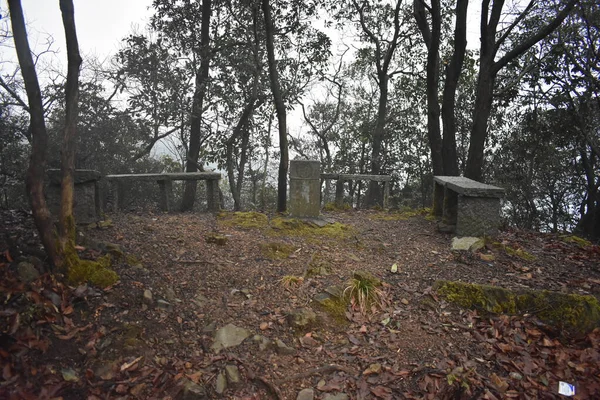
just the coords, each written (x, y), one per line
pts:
(341, 178)
(472, 208)
(165, 183)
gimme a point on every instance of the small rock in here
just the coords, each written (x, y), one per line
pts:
(171, 296)
(148, 297)
(53, 297)
(221, 383)
(164, 305)
(233, 374)
(487, 257)
(373, 369)
(263, 342)
(210, 328)
(306, 394)
(308, 341)
(301, 319)
(516, 375)
(404, 301)
(27, 271)
(264, 326)
(339, 396)
(200, 300)
(229, 336)
(283, 349)
(69, 375)
(467, 243)
(193, 391)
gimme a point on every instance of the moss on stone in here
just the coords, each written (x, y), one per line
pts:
(574, 313)
(215, 238)
(277, 250)
(336, 308)
(511, 251)
(318, 266)
(246, 220)
(96, 272)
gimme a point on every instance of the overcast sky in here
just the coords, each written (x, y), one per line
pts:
(101, 24)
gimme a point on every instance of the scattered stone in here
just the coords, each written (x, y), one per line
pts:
(264, 326)
(263, 342)
(322, 298)
(487, 257)
(335, 291)
(37, 263)
(516, 375)
(164, 305)
(404, 301)
(283, 349)
(302, 318)
(69, 375)
(53, 297)
(233, 374)
(308, 341)
(306, 394)
(215, 238)
(339, 396)
(27, 272)
(171, 296)
(373, 369)
(221, 383)
(148, 297)
(467, 243)
(229, 336)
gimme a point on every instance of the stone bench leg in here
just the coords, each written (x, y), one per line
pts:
(118, 190)
(450, 206)
(478, 216)
(212, 195)
(166, 194)
(438, 199)
(386, 194)
(339, 193)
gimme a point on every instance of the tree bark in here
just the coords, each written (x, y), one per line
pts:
(34, 180)
(449, 156)
(373, 193)
(279, 109)
(488, 70)
(432, 41)
(66, 232)
(189, 194)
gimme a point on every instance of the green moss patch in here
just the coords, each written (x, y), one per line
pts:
(515, 252)
(400, 215)
(581, 242)
(332, 206)
(98, 272)
(298, 227)
(276, 250)
(246, 220)
(318, 267)
(573, 313)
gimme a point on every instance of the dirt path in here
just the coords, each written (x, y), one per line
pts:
(416, 346)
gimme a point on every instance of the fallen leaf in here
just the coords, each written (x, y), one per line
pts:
(373, 369)
(128, 365)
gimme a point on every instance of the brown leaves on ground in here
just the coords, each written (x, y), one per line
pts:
(83, 343)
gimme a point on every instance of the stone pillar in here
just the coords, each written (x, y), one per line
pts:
(86, 200)
(438, 199)
(212, 195)
(339, 193)
(305, 191)
(478, 216)
(450, 206)
(166, 194)
(386, 194)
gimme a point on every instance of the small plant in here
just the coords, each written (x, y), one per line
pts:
(363, 291)
(289, 281)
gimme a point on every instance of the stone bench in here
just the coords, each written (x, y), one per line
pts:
(467, 207)
(341, 178)
(165, 183)
(86, 194)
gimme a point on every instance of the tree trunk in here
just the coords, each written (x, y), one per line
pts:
(432, 41)
(449, 156)
(66, 233)
(373, 193)
(189, 194)
(279, 109)
(34, 179)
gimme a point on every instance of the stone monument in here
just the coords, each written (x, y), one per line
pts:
(305, 188)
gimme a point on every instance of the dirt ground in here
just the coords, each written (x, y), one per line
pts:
(81, 342)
